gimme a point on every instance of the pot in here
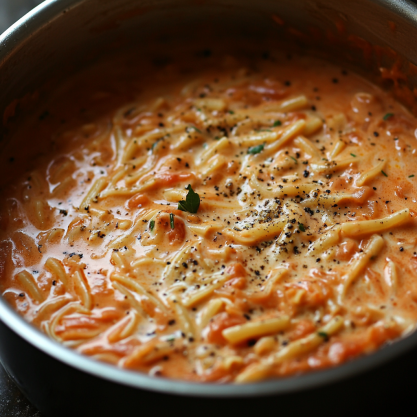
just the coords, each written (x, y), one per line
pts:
(61, 36)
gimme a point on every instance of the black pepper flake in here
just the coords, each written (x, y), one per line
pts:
(184, 265)
(44, 115)
(376, 134)
(309, 211)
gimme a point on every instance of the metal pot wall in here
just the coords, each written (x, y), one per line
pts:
(61, 36)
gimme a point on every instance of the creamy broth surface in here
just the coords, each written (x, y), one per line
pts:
(231, 221)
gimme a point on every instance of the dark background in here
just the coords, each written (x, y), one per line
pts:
(388, 390)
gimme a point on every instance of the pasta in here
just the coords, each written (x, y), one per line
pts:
(229, 221)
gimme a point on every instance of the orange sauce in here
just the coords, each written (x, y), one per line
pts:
(278, 268)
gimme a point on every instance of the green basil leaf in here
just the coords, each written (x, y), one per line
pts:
(191, 203)
(256, 149)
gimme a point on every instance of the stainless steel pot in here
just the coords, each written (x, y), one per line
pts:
(60, 36)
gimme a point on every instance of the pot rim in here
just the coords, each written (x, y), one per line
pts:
(14, 38)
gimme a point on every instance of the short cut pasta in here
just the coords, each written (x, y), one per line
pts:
(226, 219)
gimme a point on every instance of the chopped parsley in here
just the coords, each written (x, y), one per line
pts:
(189, 128)
(384, 173)
(256, 149)
(151, 225)
(294, 159)
(231, 112)
(324, 335)
(411, 176)
(277, 123)
(171, 220)
(154, 145)
(388, 116)
(191, 203)
(353, 155)
(301, 227)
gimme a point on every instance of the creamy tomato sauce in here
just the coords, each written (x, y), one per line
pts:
(230, 220)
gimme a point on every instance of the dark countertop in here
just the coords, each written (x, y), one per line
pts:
(390, 387)
(386, 389)
(12, 401)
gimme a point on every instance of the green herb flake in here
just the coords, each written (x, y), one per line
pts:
(151, 225)
(388, 116)
(231, 112)
(171, 220)
(191, 203)
(301, 227)
(384, 173)
(277, 123)
(353, 155)
(411, 176)
(324, 335)
(256, 149)
(188, 129)
(154, 145)
(294, 159)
